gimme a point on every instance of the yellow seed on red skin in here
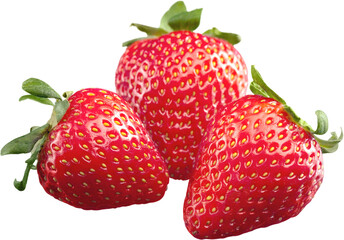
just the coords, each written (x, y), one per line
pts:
(101, 153)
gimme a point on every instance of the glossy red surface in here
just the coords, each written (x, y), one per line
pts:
(176, 83)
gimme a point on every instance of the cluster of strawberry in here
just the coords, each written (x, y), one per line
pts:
(180, 111)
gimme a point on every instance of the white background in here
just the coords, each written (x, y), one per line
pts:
(296, 45)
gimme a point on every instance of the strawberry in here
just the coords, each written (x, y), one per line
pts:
(94, 153)
(259, 164)
(176, 80)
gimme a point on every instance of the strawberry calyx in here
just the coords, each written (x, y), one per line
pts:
(259, 87)
(32, 142)
(177, 18)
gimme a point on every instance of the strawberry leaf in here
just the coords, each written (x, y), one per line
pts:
(150, 31)
(21, 185)
(25, 143)
(322, 127)
(37, 99)
(330, 145)
(178, 18)
(60, 109)
(34, 140)
(39, 88)
(259, 87)
(186, 20)
(232, 38)
(175, 9)
(128, 43)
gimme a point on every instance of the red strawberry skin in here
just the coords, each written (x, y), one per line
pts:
(255, 168)
(176, 83)
(100, 156)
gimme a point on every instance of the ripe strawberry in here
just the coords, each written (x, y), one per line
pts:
(259, 165)
(97, 156)
(176, 80)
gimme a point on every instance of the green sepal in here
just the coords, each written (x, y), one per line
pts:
(21, 185)
(33, 141)
(175, 9)
(150, 31)
(232, 38)
(37, 99)
(25, 143)
(39, 88)
(33, 128)
(128, 43)
(178, 18)
(186, 20)
(60, 109)
(322, 123)
(330, 145)
(259, 87)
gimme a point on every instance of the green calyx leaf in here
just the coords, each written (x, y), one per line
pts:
(25, 143)
(259, 87)
(232, 38)
(322, 126)
(330, 145)
(21, 185)
(32, 142)
(128, 43)
(59, 110)
(178, 18)
(186, 20)
(150, 31)
(37, 99)
(175, 9)
(39, 88)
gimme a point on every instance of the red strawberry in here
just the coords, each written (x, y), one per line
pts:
(176, 80)
(97, 156)
(259, 165)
